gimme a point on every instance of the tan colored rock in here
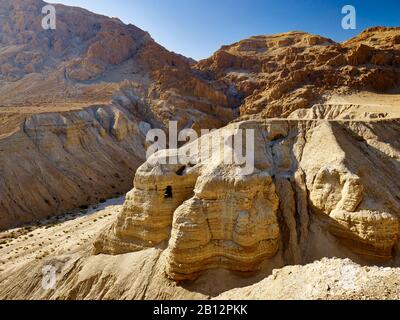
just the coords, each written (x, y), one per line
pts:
(359, 55)
(228, 224)
(303, 173)
(326, 279)
(325, 201)
(72, 133)
(371, 234)
(334, 189)
(187, 207)
(278, 66)
(81, 93)
(66, 160)
(121, 126)
(146, 218)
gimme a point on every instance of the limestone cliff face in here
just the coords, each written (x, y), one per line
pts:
(278, 74)
(230, 223)
(72, 133)
(92, 60)
(88, 58)
(57, 160)
(72, 103)
(309, 175)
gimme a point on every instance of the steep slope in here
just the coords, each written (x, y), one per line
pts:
(313, 194)
(98, 63)
(277, 74)
(73, 131)
(88, 57)
(314, 172)
(76, 104)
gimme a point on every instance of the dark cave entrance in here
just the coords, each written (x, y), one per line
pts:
(168, 193)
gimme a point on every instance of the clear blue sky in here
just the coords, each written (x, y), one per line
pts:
(197, 28)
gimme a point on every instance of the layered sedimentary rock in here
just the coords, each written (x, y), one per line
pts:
(147, 214)
(369, 233)
(208, 214)
(278, 74)
(77, 102)
(63, 161)
(345, 111)
(229, 223)
(363, 210)
(91, 60)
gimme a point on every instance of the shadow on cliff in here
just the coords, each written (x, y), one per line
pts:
(306, 234)
(376, 170)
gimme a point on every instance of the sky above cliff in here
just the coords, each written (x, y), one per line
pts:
(197, 28)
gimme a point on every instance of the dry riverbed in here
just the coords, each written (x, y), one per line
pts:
(57, 235)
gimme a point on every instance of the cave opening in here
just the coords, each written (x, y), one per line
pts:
(168, 193)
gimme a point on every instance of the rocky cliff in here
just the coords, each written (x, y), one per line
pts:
(308, 173)
(201, 230)
(55, 162)
(77, 102)
(277, 74)
(92, 61)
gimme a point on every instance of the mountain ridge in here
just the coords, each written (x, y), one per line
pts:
(326, 121)
(93, 81)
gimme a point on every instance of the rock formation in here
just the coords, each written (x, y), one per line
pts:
(328, 279)
(75, 102)
(306, 172)
(92, 60)
(204, 229)
(278, 74)
(62, 161)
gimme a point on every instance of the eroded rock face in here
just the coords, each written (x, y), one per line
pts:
(72, 100)
(91, 58)
(147, 214)
(230, 223)
(368, 233)
(113, 83)
(336, 190)
(62, 161)
(361, 209)
(307, 172)
(206, 215)
(95, 60)
(278, 74)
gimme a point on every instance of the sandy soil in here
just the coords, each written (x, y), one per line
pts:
(369, 102)
(327, 279)
(55, 236)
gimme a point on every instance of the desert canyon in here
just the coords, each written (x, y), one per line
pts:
(319, 218)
